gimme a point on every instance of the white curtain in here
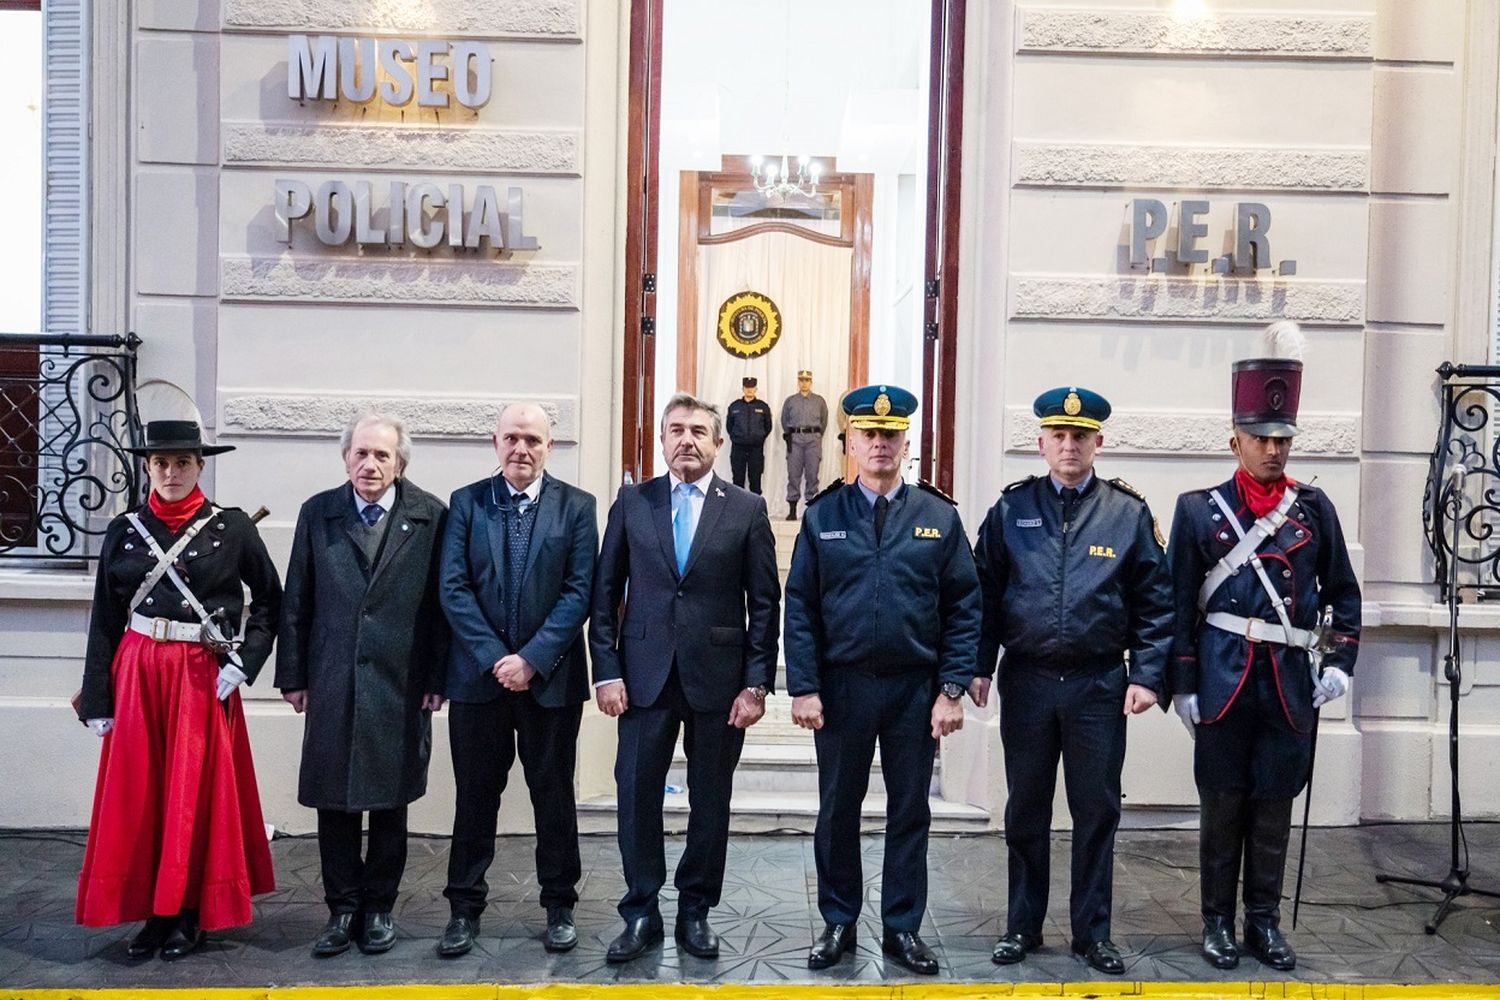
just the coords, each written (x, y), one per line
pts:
(810, 284)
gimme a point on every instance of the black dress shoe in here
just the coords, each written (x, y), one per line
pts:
(150, 937)
(336, 936)
(1265, 942)
(1219, 946)
(379, 934)
(186, 938)
(908, 949)
(1102, 955)
(638, 935)
(1014, 946)
(831, 946)
(697, 937)
(561, 934)
(458, 937)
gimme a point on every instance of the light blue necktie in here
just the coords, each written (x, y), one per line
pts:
(682, 525)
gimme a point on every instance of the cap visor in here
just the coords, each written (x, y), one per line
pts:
(1084, 422)
(1275, 429)
(881, 423)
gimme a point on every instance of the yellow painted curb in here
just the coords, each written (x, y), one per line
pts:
(743, 991)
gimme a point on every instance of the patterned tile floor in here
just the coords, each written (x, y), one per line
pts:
(1352, 930)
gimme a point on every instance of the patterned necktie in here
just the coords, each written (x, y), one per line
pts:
(518, 540)
(372, 514)
(682, 524)
(882, 510)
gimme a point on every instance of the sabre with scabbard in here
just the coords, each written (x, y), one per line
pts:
(1322, 645)
(217, 638)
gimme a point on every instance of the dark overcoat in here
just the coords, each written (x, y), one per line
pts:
(366, 643)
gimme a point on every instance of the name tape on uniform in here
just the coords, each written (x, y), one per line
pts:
(832, 535)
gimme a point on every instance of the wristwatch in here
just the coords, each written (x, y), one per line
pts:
(759, 691)
(952, 690)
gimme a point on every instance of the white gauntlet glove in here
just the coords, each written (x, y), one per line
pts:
(100, 726)
(1187, 710)
(230, 677)
(1329, 686)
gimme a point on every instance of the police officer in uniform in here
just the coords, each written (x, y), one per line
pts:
(1074, 581)
(804, 418)
(882, 622)
(1267, 632)
(749, 424)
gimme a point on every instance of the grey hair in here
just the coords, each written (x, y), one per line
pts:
(403, 439)
(687, 401)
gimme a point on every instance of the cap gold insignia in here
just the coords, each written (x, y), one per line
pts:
(1072, 406)
(882, 405)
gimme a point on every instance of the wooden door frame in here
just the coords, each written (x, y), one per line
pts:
(693, 231)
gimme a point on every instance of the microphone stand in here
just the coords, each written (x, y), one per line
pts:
(1456, 882)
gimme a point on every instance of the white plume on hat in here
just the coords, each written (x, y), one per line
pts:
(1284, 339)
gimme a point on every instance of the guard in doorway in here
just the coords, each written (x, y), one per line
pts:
(749, 424)
(1267, 632)
(804, 418)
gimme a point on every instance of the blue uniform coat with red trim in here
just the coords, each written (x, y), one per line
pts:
(1306, 561)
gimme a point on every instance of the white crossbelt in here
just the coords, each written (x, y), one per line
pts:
(1254, 629)
(1249, 543)
(164, 565)
(165, 629)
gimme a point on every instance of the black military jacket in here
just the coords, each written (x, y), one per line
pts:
(227, 555)
(1074, 596)
(910, 603)
(1308, 564)
(748, 423)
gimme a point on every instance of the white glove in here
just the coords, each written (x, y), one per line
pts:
(230, 677)
(100, 726)
(1187, 710)
(1329, 686)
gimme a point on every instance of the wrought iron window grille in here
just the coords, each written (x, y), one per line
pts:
(67, 414)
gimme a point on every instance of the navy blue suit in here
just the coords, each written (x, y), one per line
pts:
(685, 645)
(488, 724)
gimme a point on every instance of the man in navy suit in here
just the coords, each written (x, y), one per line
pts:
(517, 569)
(694, 646)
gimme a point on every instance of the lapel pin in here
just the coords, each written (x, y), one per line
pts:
(718, 492)
(406, 527)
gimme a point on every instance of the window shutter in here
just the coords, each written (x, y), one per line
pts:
(65, 131)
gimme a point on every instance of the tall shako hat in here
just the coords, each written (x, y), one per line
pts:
(1265, 391)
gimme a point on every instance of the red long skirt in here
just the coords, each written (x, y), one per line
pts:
(177, 822)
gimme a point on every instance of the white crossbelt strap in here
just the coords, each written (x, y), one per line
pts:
(1255, 629)
(164, 559)
(1249, 543)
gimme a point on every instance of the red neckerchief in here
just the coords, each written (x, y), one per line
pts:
(1261, 498)
(175, 513)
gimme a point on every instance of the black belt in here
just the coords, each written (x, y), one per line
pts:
(804, 430)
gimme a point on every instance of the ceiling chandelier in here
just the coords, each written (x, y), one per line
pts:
(778, 181)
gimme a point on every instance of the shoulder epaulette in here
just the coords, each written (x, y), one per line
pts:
(830, 488)
(1018, 484)
(923, 484)
(1125, 487)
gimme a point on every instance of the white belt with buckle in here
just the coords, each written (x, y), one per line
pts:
(165, 629)
(1259, 630)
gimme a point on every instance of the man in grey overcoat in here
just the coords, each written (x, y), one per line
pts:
(362, 651)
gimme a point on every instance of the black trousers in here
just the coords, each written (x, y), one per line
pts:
(648, 737)
(486, 737)
(352, 883)
(747, 460)
(860, 710)
(1253, 749)
(1078, 717)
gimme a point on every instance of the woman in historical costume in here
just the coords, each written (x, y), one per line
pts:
(176, 837)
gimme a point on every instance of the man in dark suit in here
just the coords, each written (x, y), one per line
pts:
(362, 651)
(694, 647)
(517, 568)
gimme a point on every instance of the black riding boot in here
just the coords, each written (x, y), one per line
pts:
(1221, 832)
(1268, 830)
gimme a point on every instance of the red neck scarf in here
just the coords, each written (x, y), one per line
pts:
(175, 513)
(1261, 498)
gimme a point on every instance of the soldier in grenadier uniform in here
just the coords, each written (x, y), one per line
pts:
(1267, 632)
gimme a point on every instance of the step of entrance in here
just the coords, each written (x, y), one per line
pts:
(788, 812)
(771, 767)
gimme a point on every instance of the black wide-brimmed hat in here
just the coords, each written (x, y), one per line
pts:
(176, 435)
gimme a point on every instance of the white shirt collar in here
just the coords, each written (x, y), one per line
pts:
(531, 492)
(702, 484)
(386, 501)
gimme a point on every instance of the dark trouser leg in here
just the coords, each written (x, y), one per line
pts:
(713, 751)
(1269, 830)
(483, 740)
(1093, 754)
(846, 748)
(385, 859)
(1031, 737)
(648, 736)
(339, 851)
(906, 752)
(547, 739)
(738, 458)
(1221, 820)
(755, 465)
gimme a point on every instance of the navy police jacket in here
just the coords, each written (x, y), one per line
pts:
(909, 603)
(1074, 596)
(1307, 563)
